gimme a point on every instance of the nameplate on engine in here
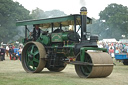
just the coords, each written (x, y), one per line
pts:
(56, 37)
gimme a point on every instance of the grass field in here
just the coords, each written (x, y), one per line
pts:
(12, 73)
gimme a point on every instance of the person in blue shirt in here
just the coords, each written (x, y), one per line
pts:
(117, 51)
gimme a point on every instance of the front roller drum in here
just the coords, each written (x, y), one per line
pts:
(33, 55)
(101, 65)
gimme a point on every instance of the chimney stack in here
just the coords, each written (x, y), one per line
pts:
(83, 13)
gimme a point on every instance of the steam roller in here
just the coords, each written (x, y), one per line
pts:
(65, 40)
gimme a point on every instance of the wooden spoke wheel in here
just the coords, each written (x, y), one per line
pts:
(102, 65)
(33, 55)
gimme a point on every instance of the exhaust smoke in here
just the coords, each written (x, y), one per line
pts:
(82, 3)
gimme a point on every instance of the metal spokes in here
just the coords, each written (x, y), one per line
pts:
(32, 57)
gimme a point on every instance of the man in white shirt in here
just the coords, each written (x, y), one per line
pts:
(7, 50)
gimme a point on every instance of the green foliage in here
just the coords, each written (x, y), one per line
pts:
(10, 12)
(99, 28)
(116, 19)
(113, 22)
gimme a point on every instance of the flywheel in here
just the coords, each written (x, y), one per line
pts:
(101, 65)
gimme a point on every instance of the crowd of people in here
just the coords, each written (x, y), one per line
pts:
(12, 52)
(114, 47)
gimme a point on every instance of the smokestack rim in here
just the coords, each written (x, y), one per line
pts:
(83, 9)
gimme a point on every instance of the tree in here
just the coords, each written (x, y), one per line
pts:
(10, 12)
(99, 28)
(116, 19)
(39, 13)
(54, 13)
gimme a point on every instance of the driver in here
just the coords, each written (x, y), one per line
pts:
(36, 32)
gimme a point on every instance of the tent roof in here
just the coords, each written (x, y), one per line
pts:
(110, 40)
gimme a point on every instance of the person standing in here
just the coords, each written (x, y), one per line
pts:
(12, 54)
(7, 50)
(117, 51)
(13, 46)
(126, 48)
(20, 52)
(2, 53)
(111, 50)
(107, 47)
(36, 32)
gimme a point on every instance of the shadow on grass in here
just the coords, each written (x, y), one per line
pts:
(51, 72)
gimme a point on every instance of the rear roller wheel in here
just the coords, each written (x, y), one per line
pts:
(32, 57)
(102, 65)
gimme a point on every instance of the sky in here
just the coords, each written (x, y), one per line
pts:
(71, 6)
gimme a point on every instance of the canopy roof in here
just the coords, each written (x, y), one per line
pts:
(64, 21)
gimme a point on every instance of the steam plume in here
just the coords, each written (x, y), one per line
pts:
(82, 2)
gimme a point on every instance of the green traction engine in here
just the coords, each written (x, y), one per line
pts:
(64, 40)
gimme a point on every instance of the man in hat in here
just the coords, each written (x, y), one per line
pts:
(36, 32)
